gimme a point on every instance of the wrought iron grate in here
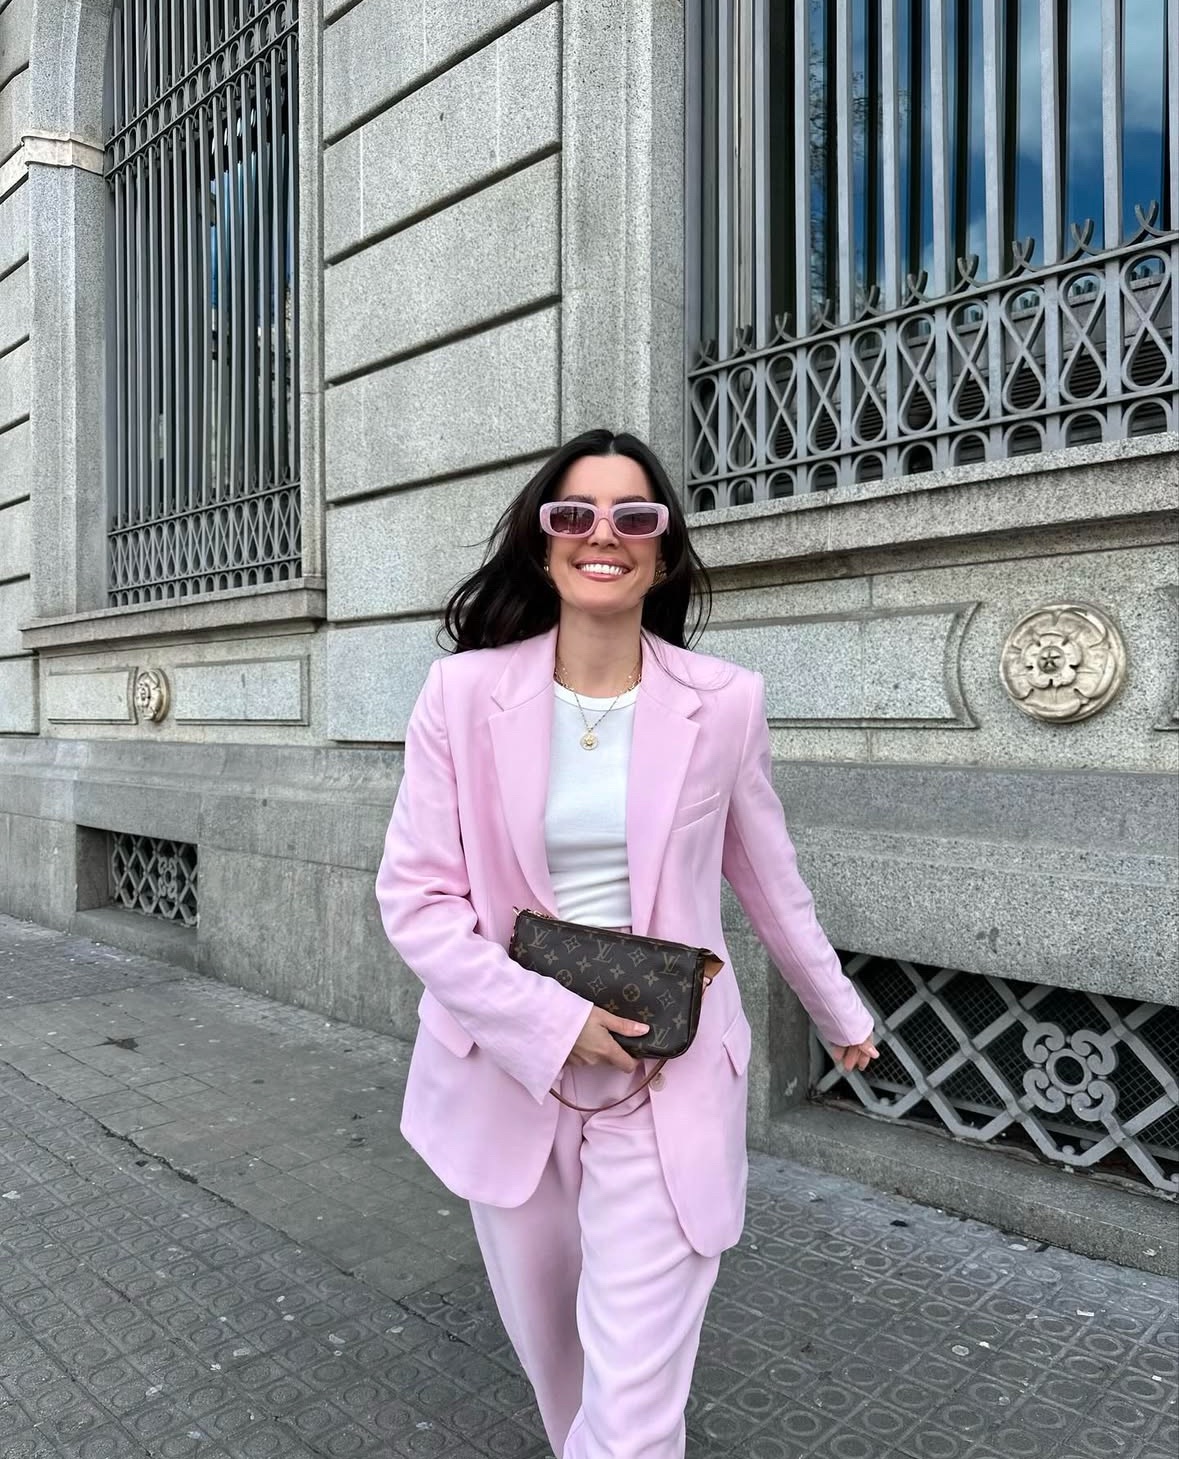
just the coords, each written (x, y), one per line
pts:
(154, 876)
(905, 250)
(202, 167)
(1082, 1080)
(1056, 357)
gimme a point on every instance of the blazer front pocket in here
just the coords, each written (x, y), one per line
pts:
(444, 1027)
(688, 815)
(738, 1043)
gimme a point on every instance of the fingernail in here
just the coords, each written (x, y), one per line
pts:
(640, 1028)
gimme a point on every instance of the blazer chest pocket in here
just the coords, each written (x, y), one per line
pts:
(688, 815)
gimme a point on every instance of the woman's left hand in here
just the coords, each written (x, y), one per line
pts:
(853, 1057)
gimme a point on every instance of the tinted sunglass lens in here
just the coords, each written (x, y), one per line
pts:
(638, 520)
(571, 519)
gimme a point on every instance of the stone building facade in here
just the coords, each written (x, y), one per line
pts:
(492, 241)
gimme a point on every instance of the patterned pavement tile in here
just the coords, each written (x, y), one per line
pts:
(200, 1261)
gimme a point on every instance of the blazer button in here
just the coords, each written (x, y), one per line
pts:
(657, 1082)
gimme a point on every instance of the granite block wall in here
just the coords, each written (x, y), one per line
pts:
(443, 243)
(17, 668)
(902, 666)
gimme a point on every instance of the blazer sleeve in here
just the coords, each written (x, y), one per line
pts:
(760, 865)
(526, 1024)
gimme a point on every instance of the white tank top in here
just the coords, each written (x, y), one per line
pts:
(585, 817)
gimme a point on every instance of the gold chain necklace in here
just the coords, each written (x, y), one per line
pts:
(589, 740)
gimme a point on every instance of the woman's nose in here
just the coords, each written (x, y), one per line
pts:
(603, 534)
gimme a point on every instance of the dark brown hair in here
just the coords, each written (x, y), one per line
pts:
(510, 597)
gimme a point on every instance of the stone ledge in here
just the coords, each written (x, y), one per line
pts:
(301, 601)
(1112, 480)
(328, 769)
(1113, 812)
(61, 149)
(321, 806)
(136, 932)
(1054, 914)
(1042, 1203)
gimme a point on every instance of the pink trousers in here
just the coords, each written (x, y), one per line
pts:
(596, 1284)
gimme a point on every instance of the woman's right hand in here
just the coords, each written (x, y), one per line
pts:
(596, 1045)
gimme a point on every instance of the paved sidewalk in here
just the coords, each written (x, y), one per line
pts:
(214, 1243)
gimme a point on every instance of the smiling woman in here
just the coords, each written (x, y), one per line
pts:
(518, 590)
(601, 1213)
(604, 557)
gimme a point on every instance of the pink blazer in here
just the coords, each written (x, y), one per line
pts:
(465, 847)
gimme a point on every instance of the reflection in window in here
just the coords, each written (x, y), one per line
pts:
(996, 181)
(203, 369)
(914, 69)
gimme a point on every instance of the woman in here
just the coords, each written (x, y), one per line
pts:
(574, 756)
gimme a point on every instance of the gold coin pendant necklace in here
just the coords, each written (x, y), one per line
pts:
(589, 740)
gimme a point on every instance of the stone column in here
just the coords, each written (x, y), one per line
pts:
(66, 246)
(622, 182)
(62, 145)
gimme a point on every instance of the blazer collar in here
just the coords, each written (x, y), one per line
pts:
(528, 671)
(661, 748)
(521, 736)
(660, 662)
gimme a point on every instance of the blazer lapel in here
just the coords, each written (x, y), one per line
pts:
(521, 735)
(661, 748)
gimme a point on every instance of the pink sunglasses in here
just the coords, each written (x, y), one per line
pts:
(580, 519)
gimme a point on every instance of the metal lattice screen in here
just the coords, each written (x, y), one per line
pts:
(203, 332)
(154, 876)
(926, 234)
(1082, 1080)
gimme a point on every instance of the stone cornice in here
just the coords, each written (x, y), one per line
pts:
(271, 607)
(1094, 484)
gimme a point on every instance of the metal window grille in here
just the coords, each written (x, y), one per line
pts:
(1081, 1080)
(203, 361)
(156, 877)
(929, 232)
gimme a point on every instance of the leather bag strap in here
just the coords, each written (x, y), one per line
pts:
(591, 1109)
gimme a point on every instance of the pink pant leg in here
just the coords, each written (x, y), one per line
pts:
(599, 1290)
(640, 1305)
(533, 1258)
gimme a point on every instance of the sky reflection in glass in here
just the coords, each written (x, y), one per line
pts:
(1019, 121)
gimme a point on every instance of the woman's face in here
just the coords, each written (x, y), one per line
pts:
(604, 574)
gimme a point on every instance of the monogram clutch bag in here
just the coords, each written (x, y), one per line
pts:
(652, 981)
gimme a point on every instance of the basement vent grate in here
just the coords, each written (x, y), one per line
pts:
(153, 876)
(1084, 1081)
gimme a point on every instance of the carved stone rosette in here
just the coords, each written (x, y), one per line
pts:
(1063, 662)
(151, 695)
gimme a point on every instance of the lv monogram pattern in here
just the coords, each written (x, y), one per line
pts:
(654, 982)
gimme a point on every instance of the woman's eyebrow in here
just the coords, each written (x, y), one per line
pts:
(618, 500)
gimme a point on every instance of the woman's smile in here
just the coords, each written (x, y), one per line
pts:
(601, 568)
